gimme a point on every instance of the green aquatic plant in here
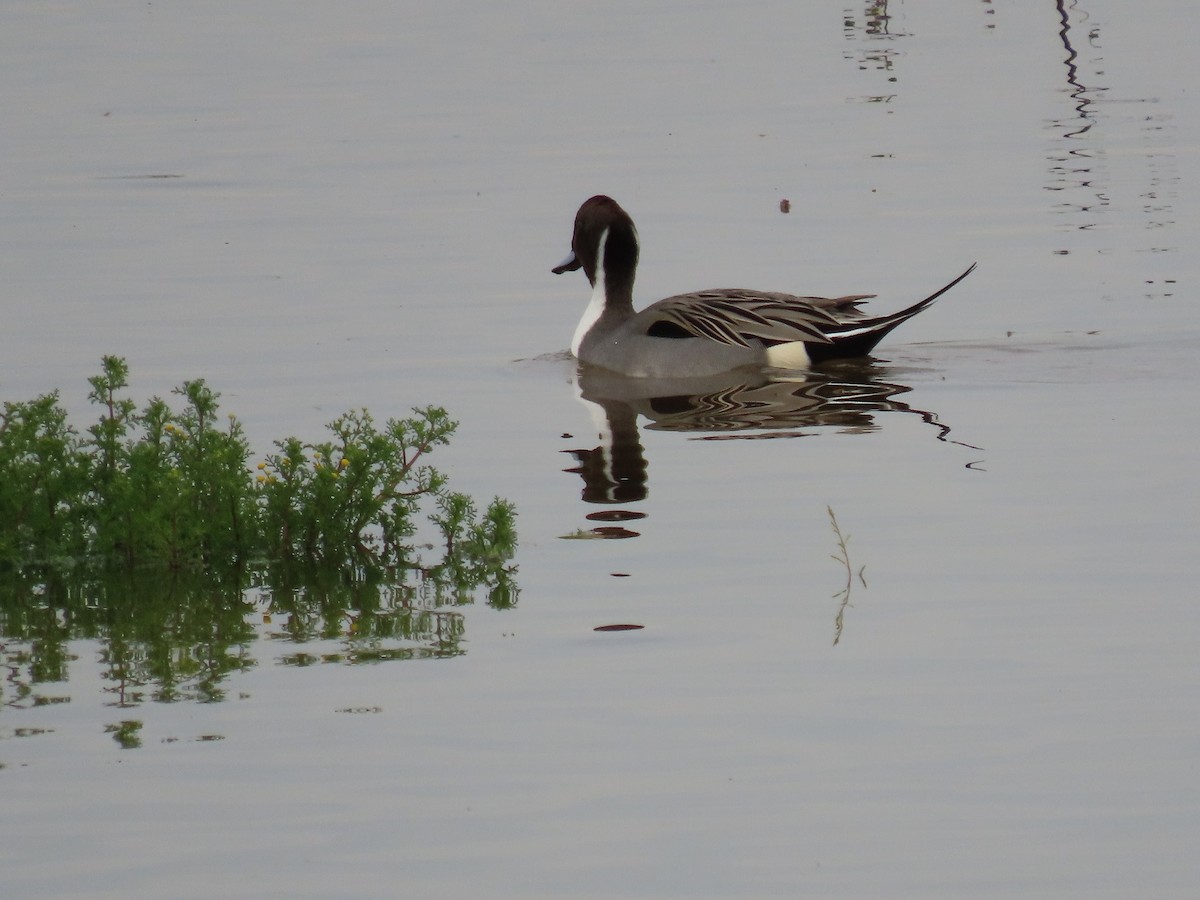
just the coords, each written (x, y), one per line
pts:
(164, 486)
(173, 488)
(152, 532)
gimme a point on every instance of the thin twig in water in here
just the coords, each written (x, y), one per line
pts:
(843, 557)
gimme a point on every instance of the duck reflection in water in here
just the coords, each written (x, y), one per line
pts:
(845, 397)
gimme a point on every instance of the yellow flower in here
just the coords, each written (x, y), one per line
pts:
(261, 466)
(343, 462)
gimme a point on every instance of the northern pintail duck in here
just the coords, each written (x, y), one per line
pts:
(706, 332)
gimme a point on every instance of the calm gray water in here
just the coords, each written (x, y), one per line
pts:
(318, 209)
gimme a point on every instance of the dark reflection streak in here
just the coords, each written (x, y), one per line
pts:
(1079, 174)
(1078, 91)
(16, 690)
(848, 404)
(877, 18)
(877, 52)
(943, 434)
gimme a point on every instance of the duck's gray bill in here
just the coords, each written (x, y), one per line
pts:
(570, 264)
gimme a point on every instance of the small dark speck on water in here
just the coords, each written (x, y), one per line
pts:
(152, 175)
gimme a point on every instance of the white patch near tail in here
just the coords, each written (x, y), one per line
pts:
(842, 333)
(789, 356)
(595, 307)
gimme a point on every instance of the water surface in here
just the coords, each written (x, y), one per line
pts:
(318, 209)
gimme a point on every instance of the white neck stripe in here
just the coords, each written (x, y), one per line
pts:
(595, 307)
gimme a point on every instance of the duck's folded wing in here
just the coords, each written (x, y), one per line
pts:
(732, 316)
(843, 308)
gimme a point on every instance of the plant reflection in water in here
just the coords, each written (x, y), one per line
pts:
(171, 636)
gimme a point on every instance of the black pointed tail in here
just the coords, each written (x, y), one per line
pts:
(858, 338)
